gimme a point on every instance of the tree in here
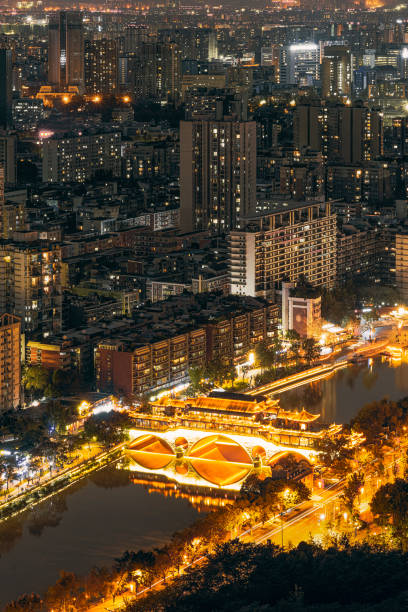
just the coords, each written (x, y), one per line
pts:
(390, 505)
(217, 371)
(378, 420)
(58, 415)
(108, 428)
(264, 357)
(35, 379)
(65, 593)
(25, 603)
(335, 453)
(8, 469)
(352, 490)
(311, 350)
(196, 375)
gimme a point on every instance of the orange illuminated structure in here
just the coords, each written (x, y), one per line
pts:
(49, 95)
(221, 438)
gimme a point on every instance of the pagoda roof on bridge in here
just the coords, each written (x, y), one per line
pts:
(243, 404)
(248, 406)
(301, 417)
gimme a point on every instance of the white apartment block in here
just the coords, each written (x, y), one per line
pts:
(296, 239)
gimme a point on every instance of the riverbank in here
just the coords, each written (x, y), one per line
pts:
(321, 371)
(57, 483)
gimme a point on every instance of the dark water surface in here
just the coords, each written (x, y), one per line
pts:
(90, 524)
(339, 397)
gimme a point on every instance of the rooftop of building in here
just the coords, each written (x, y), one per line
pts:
(181, 314)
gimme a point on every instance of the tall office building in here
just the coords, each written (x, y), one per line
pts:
(298, 239)
(6, 79)
(10, 371)
(78, 158)
(217, 173)
(336, 71)
(343, 133)
(101, 66)
(299, 64)
(30, 285)
(66, 49)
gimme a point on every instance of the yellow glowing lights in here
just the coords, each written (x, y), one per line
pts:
(65, 99)
(96, 99)
(126, 99)
(83, 407)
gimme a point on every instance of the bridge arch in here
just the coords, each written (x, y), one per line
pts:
(220, 460)
(286, 455)
(151, 452)
(258, 452)
(181, 442)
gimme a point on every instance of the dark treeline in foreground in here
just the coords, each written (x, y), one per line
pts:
(247, 578)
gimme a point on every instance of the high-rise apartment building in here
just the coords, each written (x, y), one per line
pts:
(401, 264)
(270, 56)
(10, 362)
(8, 152)
(135, 35)
(344, 133)
(299, 239)
(27, 113)
(336, 71)
(155, 72)
(299, 64)
(78, 158)
(66, 49)
(217, 173)
(30, 285)
(6, 79)
(101, 66)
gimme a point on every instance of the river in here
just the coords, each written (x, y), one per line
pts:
(89, 524)
(339, 397)
(103, 515)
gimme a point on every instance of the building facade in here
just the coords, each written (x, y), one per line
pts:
(336, 71)
(101, 66)
(129, 368)
(401, 264)
(10, 362)
(66, 50)
(6, 71)
(79, 158)
(217, 174)
(30, 285)
(298, 240)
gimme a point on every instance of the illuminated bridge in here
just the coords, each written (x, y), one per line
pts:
(220, 439)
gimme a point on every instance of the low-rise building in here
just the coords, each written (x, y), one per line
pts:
(180, 333)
